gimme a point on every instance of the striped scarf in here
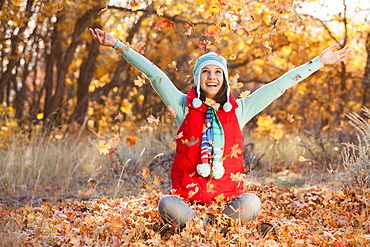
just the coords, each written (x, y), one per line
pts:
(212, 143)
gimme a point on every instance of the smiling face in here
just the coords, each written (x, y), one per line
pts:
(211, 80)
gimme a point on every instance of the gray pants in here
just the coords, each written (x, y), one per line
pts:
(173, 210)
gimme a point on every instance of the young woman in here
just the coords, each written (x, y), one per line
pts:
(209, 152)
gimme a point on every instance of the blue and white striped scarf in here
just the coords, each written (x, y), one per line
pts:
(212, 143)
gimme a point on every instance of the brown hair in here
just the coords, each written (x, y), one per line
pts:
(220, 97)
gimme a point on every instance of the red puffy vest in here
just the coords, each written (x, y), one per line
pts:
(186, 182)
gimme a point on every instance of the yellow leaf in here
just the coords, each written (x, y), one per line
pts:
(232, 57)
(244, 94)
(278, 134)
(193, 192)
(103, 147)
(159, 11)
(40, 116)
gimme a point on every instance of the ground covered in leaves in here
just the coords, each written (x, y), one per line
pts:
(302, 217)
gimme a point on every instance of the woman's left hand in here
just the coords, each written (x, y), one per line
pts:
(329, 56)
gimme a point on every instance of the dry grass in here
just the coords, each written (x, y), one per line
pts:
(52, 168)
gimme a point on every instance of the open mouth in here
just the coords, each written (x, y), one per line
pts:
(212, 84)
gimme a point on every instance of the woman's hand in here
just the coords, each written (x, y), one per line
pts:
(329, 56)
(102, 37)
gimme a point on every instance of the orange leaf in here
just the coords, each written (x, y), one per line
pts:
(235, 151)
(59, 4)
(145, 172)
(290, 118)
(114, 141)
(131, 140)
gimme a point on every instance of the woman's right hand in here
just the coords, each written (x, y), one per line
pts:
(102, 37)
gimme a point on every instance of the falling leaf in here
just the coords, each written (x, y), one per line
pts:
(189, 28)
(203, 44)
(172, 65)
(118, 116)
(173, 146)
(173, 112)
(103, 147)
(103, 10)
(290, 118)
(278, 134)
(179, 135)
(193, 192)
(114, 151)
(159, 10)
(191, 185)
(151, 119)
(192, 142)
(145, 172)
(114, 141)
(131, 140)
(297, 77)
(221, 2)
(165, 23)
(139, 82)
(135, 5)
(235, 151)
(302, 159)
(139, 47)
(244, 94)
(232, 57)
(234, 81)
(59, 4)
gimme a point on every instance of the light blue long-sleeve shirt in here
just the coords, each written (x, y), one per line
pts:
(248, 107)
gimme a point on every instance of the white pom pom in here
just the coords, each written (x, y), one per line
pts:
(218, 170)
(204, 169)
(227, 107)
(196, 102)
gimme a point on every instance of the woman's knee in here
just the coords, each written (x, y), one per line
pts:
(245, 207)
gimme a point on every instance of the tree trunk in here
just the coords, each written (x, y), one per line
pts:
(366, 79)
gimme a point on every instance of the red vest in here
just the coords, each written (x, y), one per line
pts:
(186, 182)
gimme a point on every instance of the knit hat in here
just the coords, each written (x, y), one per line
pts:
(211, 58)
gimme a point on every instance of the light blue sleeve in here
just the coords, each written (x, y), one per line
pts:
(164, 87)
(265, 95)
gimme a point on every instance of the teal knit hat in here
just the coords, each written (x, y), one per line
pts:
(211, 58)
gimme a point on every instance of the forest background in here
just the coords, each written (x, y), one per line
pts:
(78, 122)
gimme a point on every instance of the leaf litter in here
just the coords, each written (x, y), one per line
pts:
(300, 217)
